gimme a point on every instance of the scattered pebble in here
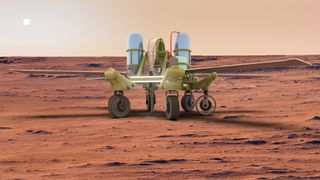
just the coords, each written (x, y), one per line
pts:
(256, 142)
(238, 139)
(314, 67)
(161, 161)
(5, 128)
(93, 64)
(290, 136)
(316, 142)
(38, 131)
(35, 75)
(217, 159)
(316, 118)
(231, 117)
(306, 128)
(141, 164)
(278, 142)
(5, 62)
(116, 164)
(165, 136)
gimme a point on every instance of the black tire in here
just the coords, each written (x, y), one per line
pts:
(119, 106)
(150, 103)
(172, 108)
(187, 103)
(206, 105)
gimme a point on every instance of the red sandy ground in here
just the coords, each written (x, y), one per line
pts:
(59, 128)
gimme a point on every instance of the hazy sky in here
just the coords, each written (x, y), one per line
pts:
(216, 27)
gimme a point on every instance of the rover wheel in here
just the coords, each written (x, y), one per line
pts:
(150, 103)
(119, 106)
(205, 105)
(187, 102)
(172, 108)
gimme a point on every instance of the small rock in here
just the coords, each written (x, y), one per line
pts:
(35, 75)
(109, 147)
(306, 128)
(188, 135)
(316, 118)
(317, 142)
(290, 136)
(313, 67)
(38, 131)
(5, 128)
(86, 165)
(161, 161)
(238, 139)
(93, 65)
(256, 142)
(158, 161)
(278, 142)
(116, 164)
(216, 159)
(199, 143)
(165, 136)
(55, 160)
(231, 117)
(41, 132)
(306, 135)
(6, 61)
(141, 164)
(177, 160)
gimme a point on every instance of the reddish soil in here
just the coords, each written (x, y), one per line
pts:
(58, 127)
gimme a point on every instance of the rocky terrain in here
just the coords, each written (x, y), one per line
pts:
(55, 127)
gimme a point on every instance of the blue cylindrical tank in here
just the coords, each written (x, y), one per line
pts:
(181, 43)
(134, 52)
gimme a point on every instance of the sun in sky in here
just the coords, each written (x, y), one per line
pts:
(26, 21)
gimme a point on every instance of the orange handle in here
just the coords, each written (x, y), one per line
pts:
(171, 36)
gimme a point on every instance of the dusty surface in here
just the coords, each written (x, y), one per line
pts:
(58, 127)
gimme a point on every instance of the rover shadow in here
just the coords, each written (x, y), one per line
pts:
(238, 120)
(184, 116)
(133, 113)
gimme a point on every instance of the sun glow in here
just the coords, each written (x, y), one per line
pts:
(26, 22)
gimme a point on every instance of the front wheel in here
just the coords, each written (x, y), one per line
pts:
(119, 106)
(172, 109)
(150, 103)
(187, 103)
(206, 105)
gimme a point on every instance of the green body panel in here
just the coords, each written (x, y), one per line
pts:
(144, 59)
(164, 61)
(173, 78)
(146, 79)
(162, 55)
(204, 83)
(117, 80)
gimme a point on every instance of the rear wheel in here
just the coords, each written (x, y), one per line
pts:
(206, 105)
(172, 109)
(187, 102)
(119, 106)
